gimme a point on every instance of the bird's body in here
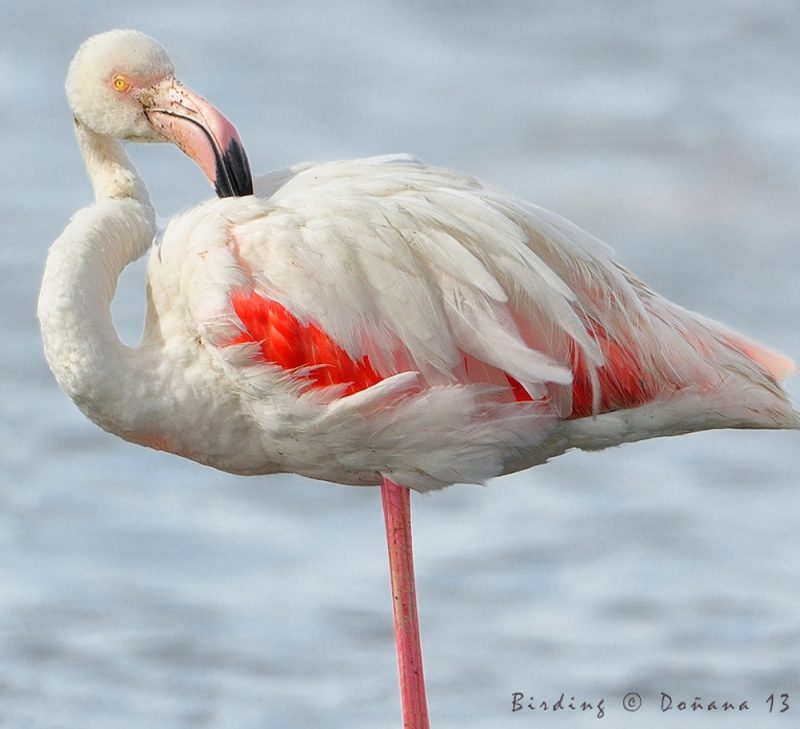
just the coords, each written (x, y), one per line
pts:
(364, 322)
(381, 318)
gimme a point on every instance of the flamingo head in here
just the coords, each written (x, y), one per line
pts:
(122, 84)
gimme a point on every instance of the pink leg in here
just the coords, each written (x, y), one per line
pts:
(397, 513)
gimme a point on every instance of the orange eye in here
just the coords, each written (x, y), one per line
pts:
(121, 84)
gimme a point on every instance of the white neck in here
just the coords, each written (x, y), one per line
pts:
(111, 171)
(102, 375)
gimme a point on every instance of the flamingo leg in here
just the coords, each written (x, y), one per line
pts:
(397, 515)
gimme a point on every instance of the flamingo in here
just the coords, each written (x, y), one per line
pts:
(369, 322)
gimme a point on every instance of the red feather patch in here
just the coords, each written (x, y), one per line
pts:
(286, 342)
(623, 381)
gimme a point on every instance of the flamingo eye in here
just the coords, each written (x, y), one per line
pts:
(121, 84)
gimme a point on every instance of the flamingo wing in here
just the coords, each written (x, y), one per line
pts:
(386, 266)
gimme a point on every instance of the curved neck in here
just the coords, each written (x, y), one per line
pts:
(111, 171)
(82, 348)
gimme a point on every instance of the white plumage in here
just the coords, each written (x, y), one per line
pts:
(485, 320)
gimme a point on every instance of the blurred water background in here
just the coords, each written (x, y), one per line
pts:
(140, 590)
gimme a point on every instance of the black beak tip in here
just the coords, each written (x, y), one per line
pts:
(233, 172)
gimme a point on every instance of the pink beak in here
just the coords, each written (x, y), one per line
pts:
(203, 133)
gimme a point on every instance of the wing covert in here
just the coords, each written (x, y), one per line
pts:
(411, 268)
